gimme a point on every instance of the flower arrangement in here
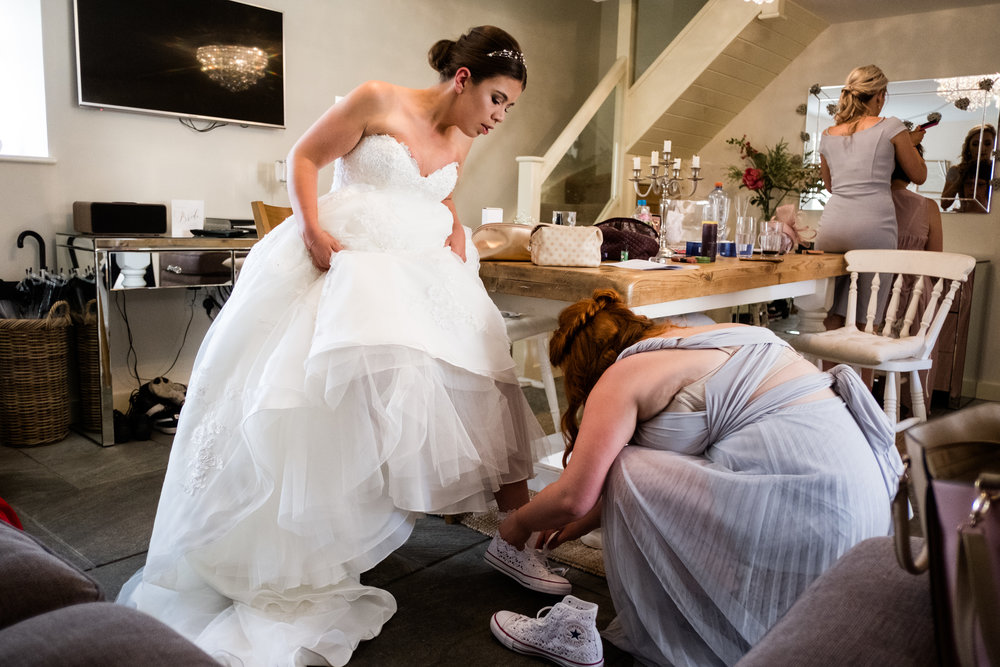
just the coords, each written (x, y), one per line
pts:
(773, 173)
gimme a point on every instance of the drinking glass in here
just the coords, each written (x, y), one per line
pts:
(567, 218)
(770, 243)
(746, 234)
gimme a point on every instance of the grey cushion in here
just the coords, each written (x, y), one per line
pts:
(100, 634)
(865, 610)
(33, 580)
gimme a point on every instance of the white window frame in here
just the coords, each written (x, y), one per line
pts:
(23, 120)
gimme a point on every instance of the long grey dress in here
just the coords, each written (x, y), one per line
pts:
(716, 520)
(859, 213)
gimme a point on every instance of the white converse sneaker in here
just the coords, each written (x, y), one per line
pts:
(527, 567)
(567, 635)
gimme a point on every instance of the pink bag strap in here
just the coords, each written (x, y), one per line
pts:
(977, 595)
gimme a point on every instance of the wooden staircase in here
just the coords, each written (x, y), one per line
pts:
(722, 60)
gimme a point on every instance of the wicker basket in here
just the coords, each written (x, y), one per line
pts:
(88, 365)
(34, 379)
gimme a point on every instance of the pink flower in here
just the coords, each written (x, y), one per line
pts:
(753, 179)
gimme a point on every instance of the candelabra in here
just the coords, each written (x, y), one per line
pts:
(668, 186)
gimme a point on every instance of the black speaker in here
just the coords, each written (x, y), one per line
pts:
(119, 218)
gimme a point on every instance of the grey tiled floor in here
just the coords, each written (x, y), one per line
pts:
(95, 506)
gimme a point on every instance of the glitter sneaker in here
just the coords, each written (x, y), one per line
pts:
(528, 567)
(567, 634)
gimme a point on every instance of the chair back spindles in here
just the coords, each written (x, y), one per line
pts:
(893, 307)
(852, 301)
(916, 295)
(930, 329)
(872, 313)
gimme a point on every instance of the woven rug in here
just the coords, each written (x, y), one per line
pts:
(573, 553)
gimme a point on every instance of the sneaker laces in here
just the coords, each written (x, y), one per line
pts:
(542, 556)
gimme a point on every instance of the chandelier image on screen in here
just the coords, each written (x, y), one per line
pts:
(235, 68)
(214, 60)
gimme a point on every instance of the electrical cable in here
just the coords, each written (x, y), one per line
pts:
(194, 295)
(189, 123)
(122, 306)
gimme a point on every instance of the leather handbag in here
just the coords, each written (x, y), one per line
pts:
(629, 235)
(953, 464)
(502, 241)
(558, 245)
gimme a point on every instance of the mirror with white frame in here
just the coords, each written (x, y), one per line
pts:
(969, 110)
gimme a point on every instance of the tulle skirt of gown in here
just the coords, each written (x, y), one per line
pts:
(325, 412)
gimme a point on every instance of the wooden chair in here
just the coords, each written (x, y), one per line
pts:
(536, 329)
(892, 347)
(266, 216)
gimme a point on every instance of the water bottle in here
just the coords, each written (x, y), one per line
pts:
(718, 209)
(642, 212)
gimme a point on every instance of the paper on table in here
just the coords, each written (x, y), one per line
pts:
(646, 265)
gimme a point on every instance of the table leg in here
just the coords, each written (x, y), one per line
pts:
(814, 307)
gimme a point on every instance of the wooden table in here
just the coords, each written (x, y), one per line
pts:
(545, 290)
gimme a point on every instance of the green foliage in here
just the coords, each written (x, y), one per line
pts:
(773, 173)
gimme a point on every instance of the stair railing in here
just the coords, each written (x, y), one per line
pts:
(533, 170)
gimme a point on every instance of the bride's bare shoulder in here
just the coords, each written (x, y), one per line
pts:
(377, 94)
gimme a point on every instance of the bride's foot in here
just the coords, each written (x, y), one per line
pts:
(527, 567)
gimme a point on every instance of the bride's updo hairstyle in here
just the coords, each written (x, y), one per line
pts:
(591, 334)
(487, 51)
(863, 83)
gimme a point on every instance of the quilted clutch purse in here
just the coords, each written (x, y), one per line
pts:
(556, 245)
(502, 241)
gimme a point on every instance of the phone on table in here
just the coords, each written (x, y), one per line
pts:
(928, 124)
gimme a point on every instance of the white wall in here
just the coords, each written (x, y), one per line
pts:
(950, 42)
(331, 46)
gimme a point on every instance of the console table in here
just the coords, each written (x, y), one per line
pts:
(123, 263)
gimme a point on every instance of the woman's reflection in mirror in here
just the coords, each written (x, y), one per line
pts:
(969, 180)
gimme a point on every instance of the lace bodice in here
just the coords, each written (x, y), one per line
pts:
(381, 202)
(382, 161)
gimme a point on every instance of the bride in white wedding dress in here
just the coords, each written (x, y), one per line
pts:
(358, 376)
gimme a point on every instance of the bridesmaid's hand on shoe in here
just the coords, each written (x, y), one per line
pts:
(513, 532)
(574, 530)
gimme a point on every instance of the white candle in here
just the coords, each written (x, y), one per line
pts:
(677, 163)
(695, 161)
(654, 159)
(635, 163)
(666, 145)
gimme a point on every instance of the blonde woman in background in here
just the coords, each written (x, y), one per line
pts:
(959, 182)
(857, 157)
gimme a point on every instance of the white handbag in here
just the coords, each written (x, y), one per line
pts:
(558, 245)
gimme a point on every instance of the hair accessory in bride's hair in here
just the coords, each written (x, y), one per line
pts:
(507, 53)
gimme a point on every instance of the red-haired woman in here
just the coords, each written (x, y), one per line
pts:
(727, 471)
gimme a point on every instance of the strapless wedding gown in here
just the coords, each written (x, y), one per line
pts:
(326, 411)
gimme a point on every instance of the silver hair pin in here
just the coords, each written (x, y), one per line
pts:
(507, 53)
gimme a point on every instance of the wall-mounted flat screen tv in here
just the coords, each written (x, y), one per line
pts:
(217, 60)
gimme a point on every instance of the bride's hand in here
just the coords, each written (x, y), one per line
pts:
(321, 246)
(456, 241)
